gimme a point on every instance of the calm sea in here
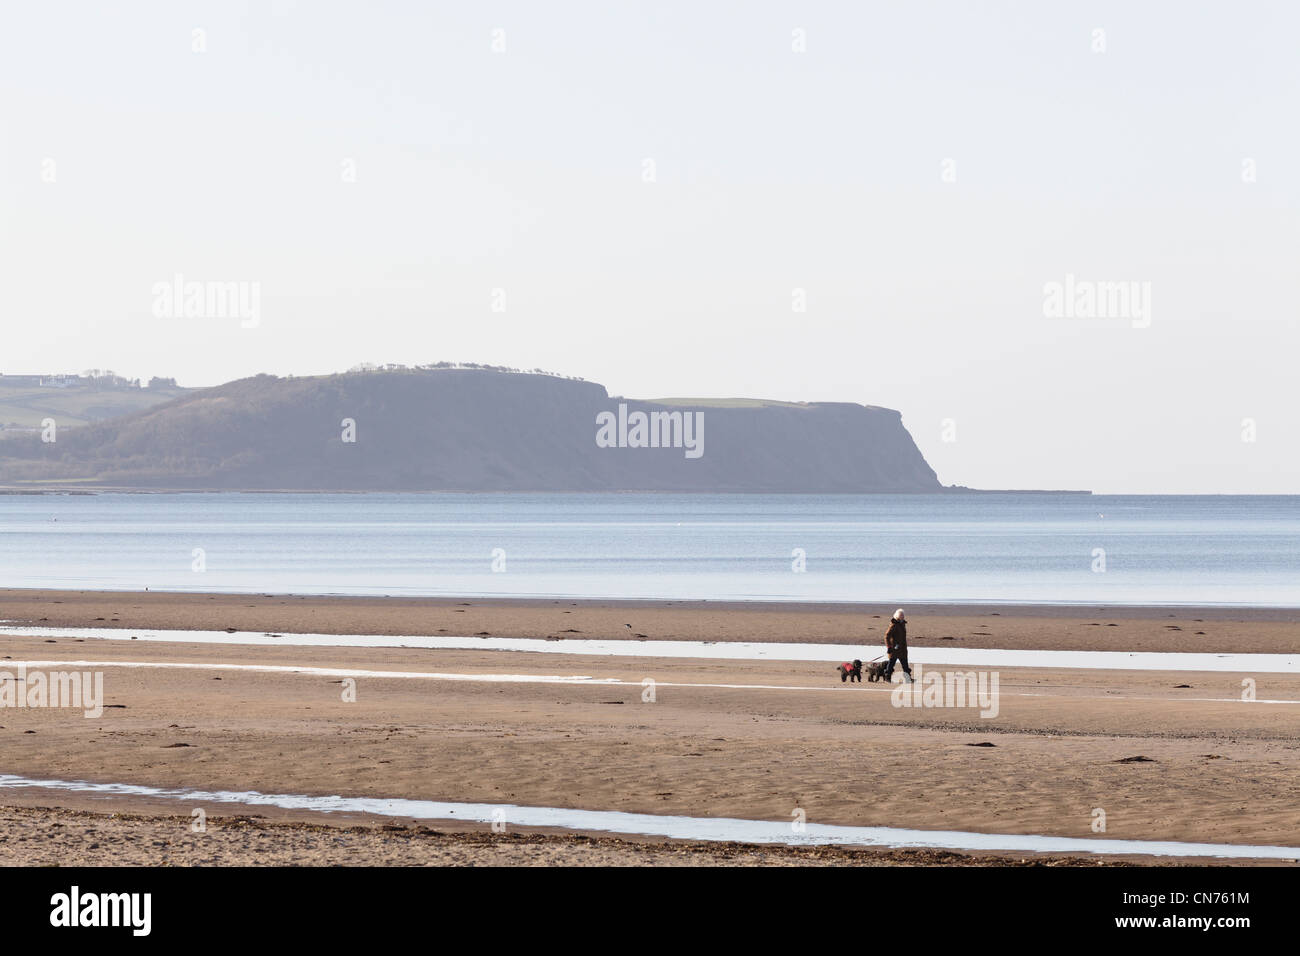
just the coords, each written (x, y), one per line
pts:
(888, 548)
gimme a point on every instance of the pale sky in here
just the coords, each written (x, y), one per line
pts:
(126, 156)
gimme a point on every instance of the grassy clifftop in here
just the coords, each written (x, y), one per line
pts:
(26, 406)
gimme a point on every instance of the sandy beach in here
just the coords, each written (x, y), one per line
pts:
(58, 836)
(1043, 627)
(1163, 755)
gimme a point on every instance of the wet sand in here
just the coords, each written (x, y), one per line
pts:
(1063, 742)
(59, 836)
(1042, 627)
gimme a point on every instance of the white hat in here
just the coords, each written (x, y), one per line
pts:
(898, 615)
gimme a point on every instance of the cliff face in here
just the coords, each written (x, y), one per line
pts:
(475, 430)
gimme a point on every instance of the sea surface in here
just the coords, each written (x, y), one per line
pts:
(1048, 548)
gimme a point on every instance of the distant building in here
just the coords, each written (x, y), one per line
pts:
(42, 381)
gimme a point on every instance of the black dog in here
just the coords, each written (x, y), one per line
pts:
(850, 672)
(876, 671)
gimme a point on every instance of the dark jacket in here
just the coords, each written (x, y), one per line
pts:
(896, 636)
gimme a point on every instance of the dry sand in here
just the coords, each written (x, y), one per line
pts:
(1217, 770)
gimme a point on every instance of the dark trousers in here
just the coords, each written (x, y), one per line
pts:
(899, 655)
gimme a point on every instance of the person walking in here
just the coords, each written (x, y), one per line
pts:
(896, 645)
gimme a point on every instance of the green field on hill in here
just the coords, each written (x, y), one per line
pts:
(28, 405)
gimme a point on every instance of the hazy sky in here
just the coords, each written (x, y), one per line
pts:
(507, 146)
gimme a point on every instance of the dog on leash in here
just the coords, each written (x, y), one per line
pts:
(850, 672)
(876, 671)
